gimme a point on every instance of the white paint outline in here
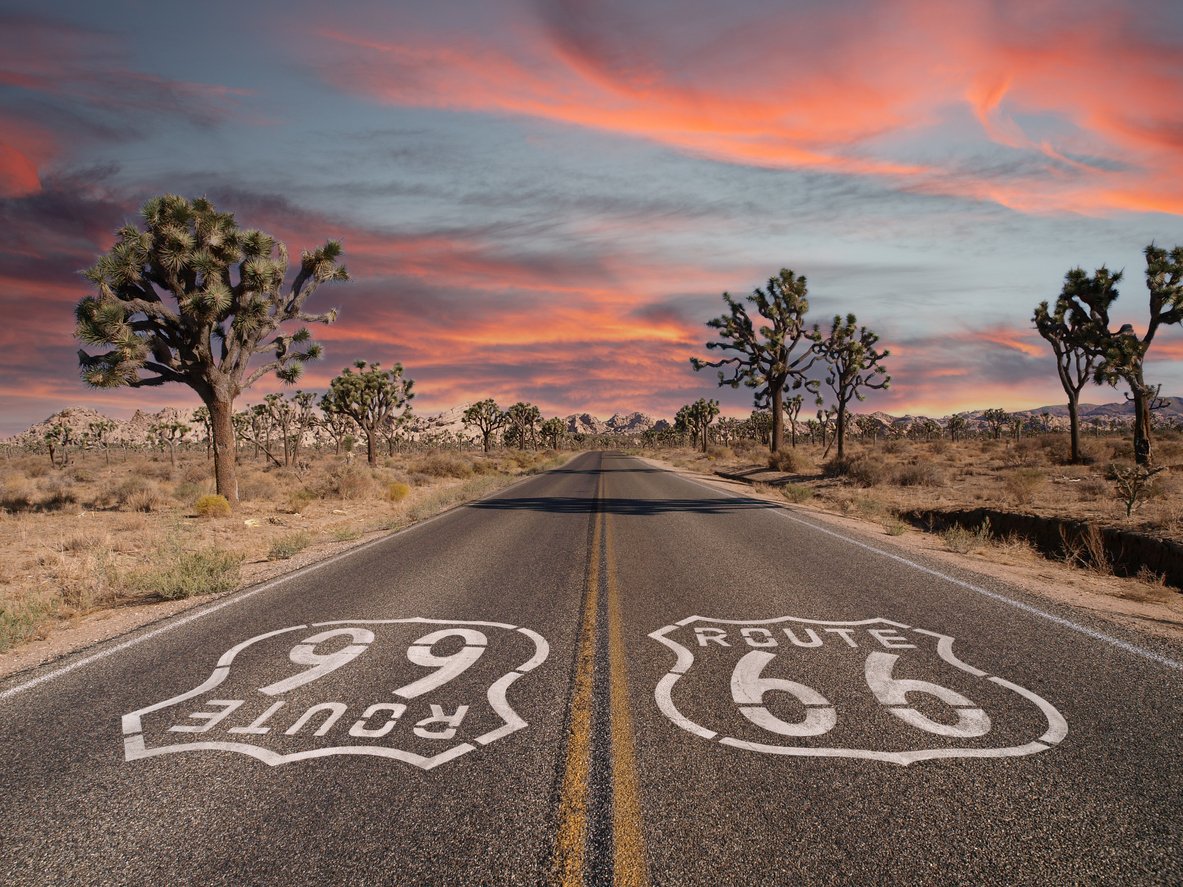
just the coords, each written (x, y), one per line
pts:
(1057, 727)
(237, 597)
(1093, 633)
(135, 749)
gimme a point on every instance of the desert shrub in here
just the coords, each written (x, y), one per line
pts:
(1023, 483)
(720, 452)
(446, 466)
(138, 494)
(212, 506)
(345, 534)
(894, 445)
(921, 474)
(257, 487)
(187, 492)
(60, 498)
(82, 476)
(21, 619)
(190, 573)
(397, 491)
(1093, 488)
(196, 472)
(938, 446)
(790, 460)
(156, 471)
(797, 493)
(352, 482)
(746, 446)
(893, 526)
(299, 499)
(1026, 452)
(963, 540)
(860, 470)
(288, 546)
(17, 495)
(34, 467)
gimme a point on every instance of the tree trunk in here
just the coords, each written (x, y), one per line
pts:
(371, 447)
(841, 429)
(1074, 424)
(485, 435)
(222, 429)
(778, 419)
(1141, 426)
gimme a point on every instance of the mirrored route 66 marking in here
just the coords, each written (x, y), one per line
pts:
(873, 689)
(421, 691)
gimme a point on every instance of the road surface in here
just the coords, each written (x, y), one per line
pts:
(609, 673)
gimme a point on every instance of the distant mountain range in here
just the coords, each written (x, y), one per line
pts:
(135, 431)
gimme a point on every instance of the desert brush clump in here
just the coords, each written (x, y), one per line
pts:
(212, 506)
(185, 574)
(288, 546)
(397, 491)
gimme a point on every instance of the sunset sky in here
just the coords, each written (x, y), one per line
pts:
(543, 201)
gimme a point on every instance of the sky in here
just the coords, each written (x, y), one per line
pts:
(544, 201)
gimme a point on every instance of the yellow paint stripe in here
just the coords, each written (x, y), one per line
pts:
(628, 865)
(571, 840)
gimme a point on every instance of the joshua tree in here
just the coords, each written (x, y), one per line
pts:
(1123, 353)
(171, 432)
(486, 417)
(100, 432)
(792, 412)
(852, 363)
(202, 418)
(1069, 332)
(763, 357)
(696, 418)
(194, 299)
(553, 431)
(761, 424)
(523, 419)
(370, 397)
(58, 435)
(957, 425)
(998, 419)
(338, 425)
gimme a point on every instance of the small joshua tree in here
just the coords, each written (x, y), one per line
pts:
(371, 397)
(338, 425)
(170, 432)
(852, 364)
(763, 343)
(486, 417)
(100, 432)
(696, 418)
(523, 419)
(553, 431)
(957, 425)
(195, 299)
(998, 419)
(58, 436)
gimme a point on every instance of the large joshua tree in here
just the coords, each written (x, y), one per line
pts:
(1068, 332)
(371, 397)
(852, 364)
(1123, 353)
(763, 343)
(486, 417)
(194, 299)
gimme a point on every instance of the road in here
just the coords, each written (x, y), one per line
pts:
(606, 673)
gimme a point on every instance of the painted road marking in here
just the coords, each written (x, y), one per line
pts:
(1093, 633)
(331, 706)
(601, 766)
(916, 718)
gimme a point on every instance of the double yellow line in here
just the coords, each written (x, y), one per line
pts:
(628, 843)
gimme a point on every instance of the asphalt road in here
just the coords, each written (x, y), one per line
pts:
(607, 673)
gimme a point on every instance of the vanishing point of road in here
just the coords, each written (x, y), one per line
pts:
(608, 673)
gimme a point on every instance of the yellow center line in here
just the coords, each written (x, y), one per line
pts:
(571, 840)
(628, 865)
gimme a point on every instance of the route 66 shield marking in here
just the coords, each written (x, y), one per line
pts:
(872, 689)
(421, 691)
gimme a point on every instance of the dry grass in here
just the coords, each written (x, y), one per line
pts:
(90, 536)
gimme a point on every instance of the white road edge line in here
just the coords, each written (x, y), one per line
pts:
(239, 597)
(985, 592)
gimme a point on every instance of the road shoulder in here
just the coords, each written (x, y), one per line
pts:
(1112, 599)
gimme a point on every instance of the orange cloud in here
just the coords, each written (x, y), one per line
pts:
(1085, 102)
